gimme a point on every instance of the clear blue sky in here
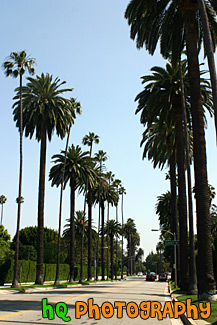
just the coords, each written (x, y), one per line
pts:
(87, 44)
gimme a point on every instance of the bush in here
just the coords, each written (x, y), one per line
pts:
(28, 271)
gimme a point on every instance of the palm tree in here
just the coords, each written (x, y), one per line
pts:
(173, 23)
(192, 265)
(3, 200)
(116, 184)
(77, 109)
(110, 176)
(79, 169)
(100, 157)
(44, 110)
(165, 83)
(122, 191)
(89, 139)
(129, 230)
(209, 50)
(113, 228)
(16, 65)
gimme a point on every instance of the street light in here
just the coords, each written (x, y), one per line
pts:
(174, 245)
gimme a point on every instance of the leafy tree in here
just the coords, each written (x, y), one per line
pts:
(3, 200)
(28, 244)
(5, 251)
(44, 110)
(16, 65)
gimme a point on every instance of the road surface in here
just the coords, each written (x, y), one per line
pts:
(121, 302)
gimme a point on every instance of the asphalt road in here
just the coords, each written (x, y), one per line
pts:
(130, 298)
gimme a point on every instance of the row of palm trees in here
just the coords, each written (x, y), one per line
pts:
(41, 109)
(172, 102)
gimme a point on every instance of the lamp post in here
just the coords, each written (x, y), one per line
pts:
(174, 245)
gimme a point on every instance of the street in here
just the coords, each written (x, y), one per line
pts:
(77, 306)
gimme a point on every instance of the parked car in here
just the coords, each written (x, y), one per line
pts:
(163, 277)
(139, 274)
(151, 276)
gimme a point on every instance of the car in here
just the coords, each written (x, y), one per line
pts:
(139, 274)
(151, 276)
(163, 277)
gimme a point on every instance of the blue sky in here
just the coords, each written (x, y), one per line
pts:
(86, 43)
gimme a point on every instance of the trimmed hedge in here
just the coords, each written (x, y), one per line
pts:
(28, 271)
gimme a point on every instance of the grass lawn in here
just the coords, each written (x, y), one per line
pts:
(183, 297)
(65, 284)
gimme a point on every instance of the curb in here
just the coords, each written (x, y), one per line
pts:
(37, 289)
(185, 320)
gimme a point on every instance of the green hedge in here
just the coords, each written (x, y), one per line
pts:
(28, 271)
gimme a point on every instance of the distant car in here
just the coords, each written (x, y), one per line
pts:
(139, 274)
(151, 276)
(163, 277)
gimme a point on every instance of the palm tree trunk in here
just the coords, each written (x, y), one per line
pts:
(174, 219)
(89, 198)
(82, 242)
(102, 240)
(16, 256)
(41, 195)
(97, 246)
(108, 242)
(210, 55)
(2, 215)
(112, 255)
(122, 237)
(184, 267)
(116, 244)
(72, 231)
(206, 283)
(192, 267)
(57, 281)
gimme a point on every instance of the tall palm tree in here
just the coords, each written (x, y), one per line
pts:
(116, 184)
(89, 139)
(101, 157)
(44, 110)
(77, 109)
(3, 200)
(79, 169)
(174, 23)
(122, 191)
(16, 65)
(129, 231)
(209, 50)
(192, 265)
(113, 228)
(165, 83)
(110, 177)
